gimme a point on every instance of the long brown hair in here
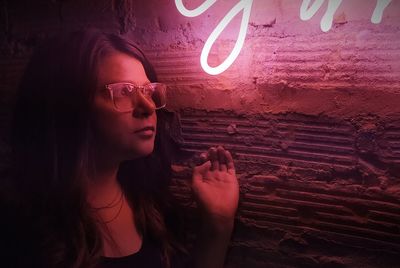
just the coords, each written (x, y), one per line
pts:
(51, 141)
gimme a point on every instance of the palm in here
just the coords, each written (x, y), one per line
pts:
(215, 185)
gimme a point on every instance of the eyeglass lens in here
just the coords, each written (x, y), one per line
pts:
(126, 96)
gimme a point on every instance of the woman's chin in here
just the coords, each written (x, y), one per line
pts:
(140, 152)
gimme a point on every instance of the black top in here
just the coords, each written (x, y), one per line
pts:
(149, 255)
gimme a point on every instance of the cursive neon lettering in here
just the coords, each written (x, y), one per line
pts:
(378, 11)
(306, 13)
(244, 5)
(194, 12)
(326, 21)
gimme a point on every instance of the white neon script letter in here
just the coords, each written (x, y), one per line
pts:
(194, 12)
(244, 5)
(326, 21)
(378, 12)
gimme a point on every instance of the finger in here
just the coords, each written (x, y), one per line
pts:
(203, 157)
(229, 162)
(222, 159)
(213, 158)
(200, 172)
(198, 159)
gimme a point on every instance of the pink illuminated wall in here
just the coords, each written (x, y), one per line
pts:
(311, 113)
(280, 51)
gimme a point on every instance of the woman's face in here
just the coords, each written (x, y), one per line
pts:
(119, 133)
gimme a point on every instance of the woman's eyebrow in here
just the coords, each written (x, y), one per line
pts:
(134, 83)
(146, 83)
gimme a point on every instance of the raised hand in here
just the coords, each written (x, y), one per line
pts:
(216, 188)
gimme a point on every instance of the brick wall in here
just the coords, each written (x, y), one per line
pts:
(312, 117)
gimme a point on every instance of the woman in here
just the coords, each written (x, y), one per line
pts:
(90, 167)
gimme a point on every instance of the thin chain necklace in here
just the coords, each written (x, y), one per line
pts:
(111, 204)
(122, 199)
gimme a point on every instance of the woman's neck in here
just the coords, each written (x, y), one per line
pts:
(103, 184)
(105, 196)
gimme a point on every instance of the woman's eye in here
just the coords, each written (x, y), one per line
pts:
(146, 91)
(125, 91)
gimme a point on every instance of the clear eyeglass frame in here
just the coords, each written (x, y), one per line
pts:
(124, 95)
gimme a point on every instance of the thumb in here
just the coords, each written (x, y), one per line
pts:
(200, 171)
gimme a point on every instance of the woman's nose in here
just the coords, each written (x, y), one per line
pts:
(143, 106)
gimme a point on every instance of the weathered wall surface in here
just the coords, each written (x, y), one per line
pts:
(312, 117)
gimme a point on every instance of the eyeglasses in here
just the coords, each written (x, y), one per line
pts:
(125, 95)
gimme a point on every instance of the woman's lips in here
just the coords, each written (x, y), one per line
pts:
(145, 132)
(148, 128)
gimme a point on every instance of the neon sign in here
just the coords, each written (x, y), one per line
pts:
(244, 6)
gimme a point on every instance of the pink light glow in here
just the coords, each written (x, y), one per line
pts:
(306, 13)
